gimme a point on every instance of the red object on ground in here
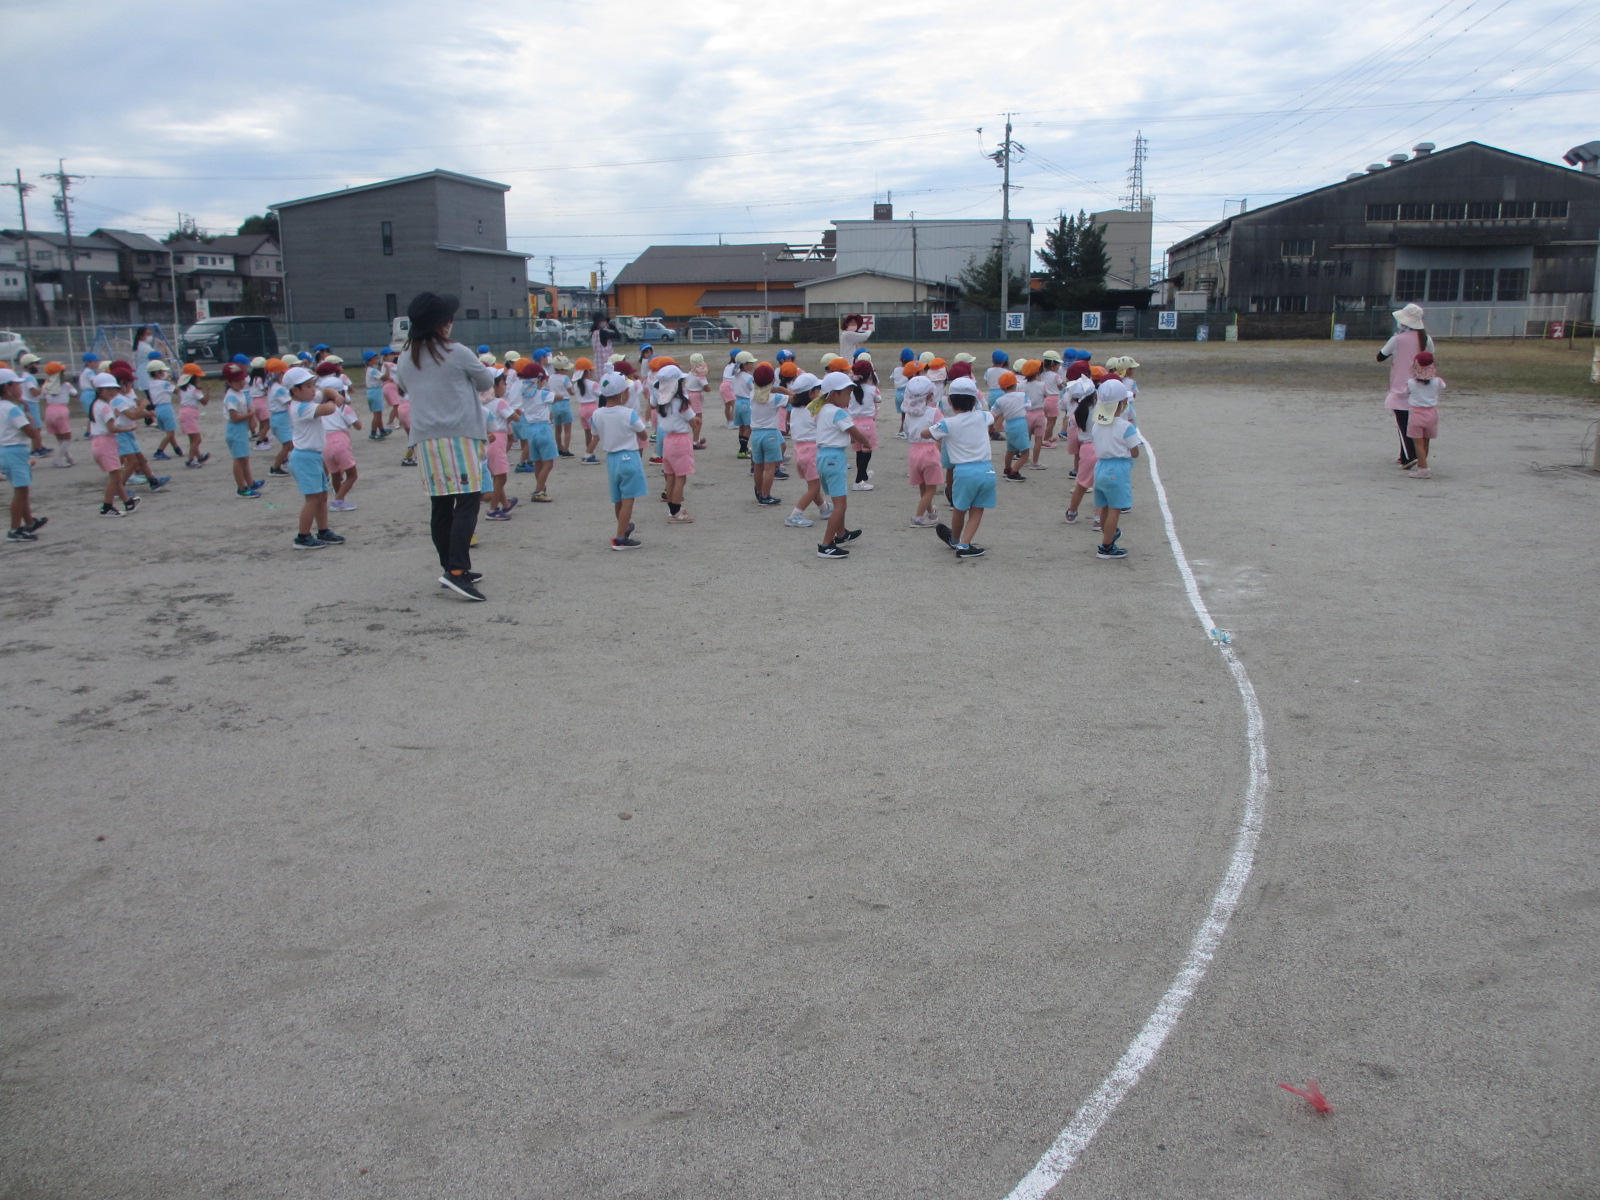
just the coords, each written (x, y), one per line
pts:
(1312, 1095)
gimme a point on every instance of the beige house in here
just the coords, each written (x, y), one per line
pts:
(876, 292)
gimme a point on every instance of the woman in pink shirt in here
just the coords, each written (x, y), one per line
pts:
(1400, 352)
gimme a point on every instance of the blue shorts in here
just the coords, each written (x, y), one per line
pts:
(831, 470)
(310, 476)
(972, 486)
(16, 465)
(626, 474)
(237, 437)
(166, 418)
(86, 398)
(1113, 483)
(375, 399)
(1017, 434)
(741, 412)
(33, 414)
(561, 412)
(766, 446)
(994, 394)
(541, 441)
(127, 444)
(899, 399)
(281, 428)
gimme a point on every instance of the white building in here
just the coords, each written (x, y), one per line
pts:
(936, 251)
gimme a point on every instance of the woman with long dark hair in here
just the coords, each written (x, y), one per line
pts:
(1400, 352)
(449, 433)
(602, 334)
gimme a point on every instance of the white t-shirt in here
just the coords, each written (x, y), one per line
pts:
(62, 394)
(1116, 440)
(833, 426)
(1010, 404)
(160, 391)
(340, 420)
(236, 402)
(100, 417)
(991, 377)
(125, 407)
(256, 388)
(966, 436)
(1424, 393)
(13, 419)
(86, 380)
(277, 398)
(867, 406)
(498, 412)
(189, 395)
(1051, 378)
(676, 419)
(764, 415)
(920, 413)
(729, 371)
(1033, 393)
(375, 377)
(536, 402)
(307, 425)
(617, 426)
(802, 425)
(561, 387)
(744, 385)
(898, 377)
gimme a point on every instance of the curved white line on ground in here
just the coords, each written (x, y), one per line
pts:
(1096, 1111)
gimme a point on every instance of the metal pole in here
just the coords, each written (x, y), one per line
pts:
(1005, 228)
(914, 308)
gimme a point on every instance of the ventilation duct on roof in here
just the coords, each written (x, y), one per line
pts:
(1585, 157)
(1355, 175)
(1421, 149)
(1374, 168)
(1396, 159)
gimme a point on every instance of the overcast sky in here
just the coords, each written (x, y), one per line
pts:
(619, 124)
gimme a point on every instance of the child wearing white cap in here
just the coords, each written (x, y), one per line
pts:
(923, 465)
(160, 392)
(965, 436)
(1116, 445)
(679, 427)
(104, 389)
(744, 387)
(17, 435)
(307, 406)
(616, 432)
(835, 432)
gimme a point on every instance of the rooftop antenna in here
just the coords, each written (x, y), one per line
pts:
(1134, 200)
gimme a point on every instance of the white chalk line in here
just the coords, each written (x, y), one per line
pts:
(1071, 1142)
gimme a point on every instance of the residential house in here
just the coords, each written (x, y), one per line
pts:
(69, 286)
(878, 292)
(718, 281)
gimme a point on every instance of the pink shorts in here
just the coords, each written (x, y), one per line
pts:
(1086, 461)
(727, 391)
(869, 430)
(336, 452)
(1074, 439)
(58, 420)
(403, 407)
(1052, 408)
(697, 402)
(391, 394)
(1423, 423)
(805, 459)
(189, 419)
(258, 405)
(498, 462)
(677, 453)
(585, 411)
(924, 464)
(105, 454)
(1036, 422)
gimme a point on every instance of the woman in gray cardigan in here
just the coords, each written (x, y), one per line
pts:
(450, 435)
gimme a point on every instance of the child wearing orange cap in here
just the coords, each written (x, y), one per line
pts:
(57, 394)
(190, 397)
(1032, 385)
(1011, 410)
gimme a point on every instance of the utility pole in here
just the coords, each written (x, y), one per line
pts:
(914, 307)
(64, 207)
(27, 251)
(600, 292)
(1002, 157)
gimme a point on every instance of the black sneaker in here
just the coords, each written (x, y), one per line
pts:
(834, 551)
(37, 524)
(462, 586)
(944, 533)
(110, 510)
(20, 535)
(970, 552)
(133, 503)
(304, 541)
(1015, 477)
(329, 537)
(1111, 551)
(625, 543)
(847, 535)
(565, 454)
(276, 471)
(771, 500)
(473, 576)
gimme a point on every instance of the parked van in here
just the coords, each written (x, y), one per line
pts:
(218, 339)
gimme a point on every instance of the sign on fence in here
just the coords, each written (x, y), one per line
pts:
(1556, 329)
(1338, 333)
(1167, 319)
(1202, 333)
(1091, 321)
(867, 322)
(1231, 334)
(202, 310)
(1014, 322)
(941, 322)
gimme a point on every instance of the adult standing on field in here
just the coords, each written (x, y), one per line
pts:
(852, 336)
(449, 433)
(1400, 352)
(602, 335)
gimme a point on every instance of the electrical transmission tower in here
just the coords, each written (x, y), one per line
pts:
(1134, 200)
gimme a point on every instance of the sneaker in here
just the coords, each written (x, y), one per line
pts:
(701, 444)
(846, 535)
(681, 518)
(383, 433)
(923, 522)
(373, 436)
(263, 444)
(780, 473)
(944, 534)
(247, 494)
(631, 528)
(1111, 551)
(462, 586)
(901, 435)
(257, 486)
(1420, 473)
(340, 506)
(1038, 466)
(133, 503)
(161, 456)
(473, 576)
(404, 462)
(540, 498)
(1049, 443)
(329, 537)
(657, 461)
(626, 543)
(20, 535)
(827, 508)
(1405, 464)
(1126, 510)
(591, 461)
(192, 463)
(282, 471)
(510, 504)
(494, 514)
(863, 486)
(523, 468)
(1072, 516)
(742, 454)
(1097, 524)
(110, 510)
(565, 454)
(731, 425)
(304, 541)
(970, 551)
(37, 524)
(1072, 473)
(768, 500)
(798, 521)
(834, 551)
(159, 482)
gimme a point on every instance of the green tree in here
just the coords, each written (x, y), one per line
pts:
(267, 224)
(187, 231)
(980, 283)
(1075, 262)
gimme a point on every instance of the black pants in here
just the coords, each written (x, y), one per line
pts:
(1401, 418)
(455, 520)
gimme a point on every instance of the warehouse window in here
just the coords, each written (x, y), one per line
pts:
(1516, 210)
(1410, 285)
(1416, 212)
(391, 306)
(1550, 209)
(349, 314)
(1298, 248)
(472, 314)
(387, 233)
(1444, 284)
(1513, 284)
(1477, 285)
(1483, 210)
(1349, 303)
(1383, 212)
(1450, 212)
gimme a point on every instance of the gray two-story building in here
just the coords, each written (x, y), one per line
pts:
(1489, 242)
(361, 254)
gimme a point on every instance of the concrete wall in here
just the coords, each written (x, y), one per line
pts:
(1128, 240)
(943, 248)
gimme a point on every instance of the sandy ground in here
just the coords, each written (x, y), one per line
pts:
(716, 870)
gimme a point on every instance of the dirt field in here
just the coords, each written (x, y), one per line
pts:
(716, 870)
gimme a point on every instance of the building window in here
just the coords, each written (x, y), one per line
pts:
(277, 264)
(1483, 210)
(1516, 210)
(387, 231)
(142, 259)
(1477, 286)
(1444, 284)
(1291, 304)
(1416, 212)
(349, 314)
(1383, 212)
(1349, 303)
(41, 254)
(1450, 212)
(494, 314)
(391, 306)
(1513, 284)
(472, 314)
(1554, 210)
(1410, 285)
(1298, 248)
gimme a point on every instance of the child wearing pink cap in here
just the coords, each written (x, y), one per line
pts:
(923, 465)
(1422, 425)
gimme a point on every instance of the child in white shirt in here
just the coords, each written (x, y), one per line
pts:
(1116, 445)
(616, 429)
(1422, 426)
(965, 436)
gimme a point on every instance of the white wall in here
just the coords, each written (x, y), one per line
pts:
(943, 248)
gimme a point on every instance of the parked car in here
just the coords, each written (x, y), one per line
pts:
(709, 329)
(651, 330)
(217, 339)
(11, 345)
(548, 329)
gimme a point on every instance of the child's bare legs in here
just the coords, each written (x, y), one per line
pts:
(1038, 445)
(835, 522)
(115, 489)
(283, 456)
(958, 522)
(541, 473)
(1422, 452)
(1108, 525)
(925, 499)
(624, 517)
(21, 511)
(1078, 493)
(314, 513)
(764, 473)
(194, 446)
(348, 481)
(974, 519)
(812, 495)
(170, 438)
(241, 474)
(497, 496)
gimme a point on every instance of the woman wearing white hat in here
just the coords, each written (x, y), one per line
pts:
(1400, 352)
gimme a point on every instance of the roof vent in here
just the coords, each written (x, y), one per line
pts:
(1374, 168)
(1355, 175)
(1396, 159)
(1585, 157)
(1422, 148)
